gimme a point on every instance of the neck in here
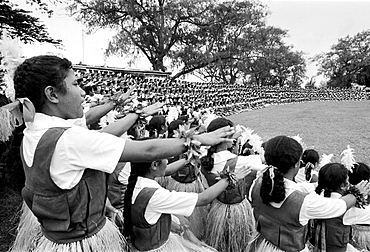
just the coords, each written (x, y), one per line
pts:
(149, 176)
(290, 175)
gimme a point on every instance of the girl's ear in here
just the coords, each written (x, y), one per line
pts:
(343, 186)
(154, 165)
(50, 94)
(298, 164)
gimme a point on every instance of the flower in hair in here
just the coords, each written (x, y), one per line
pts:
(193, 152)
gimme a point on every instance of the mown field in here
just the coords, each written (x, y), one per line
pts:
(326, 126)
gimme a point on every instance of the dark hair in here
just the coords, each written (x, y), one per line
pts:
(141, 168)
(132, 131)
(247, 149)
(331, 177)
(207, 161)
(281, 153)
(174, 125)
(155, 125)
(360, 171)
(36, 73)
(309, 156)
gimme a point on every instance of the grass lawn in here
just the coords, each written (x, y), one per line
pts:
(326, 126)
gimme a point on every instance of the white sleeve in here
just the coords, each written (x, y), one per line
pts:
(252, 160)
(80, 148)
(170, 202)
(356, 215)
(317, 207)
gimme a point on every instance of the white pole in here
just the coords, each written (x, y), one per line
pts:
(83, 46)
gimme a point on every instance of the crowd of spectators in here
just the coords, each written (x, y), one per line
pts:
(223, 99)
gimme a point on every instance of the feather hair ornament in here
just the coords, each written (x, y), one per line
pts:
(298, 138)
(254, 140)
(348, 158)
(245, 133)
(11, 57)
(325, 159)
(11, 54)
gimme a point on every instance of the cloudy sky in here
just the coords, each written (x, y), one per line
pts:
(313, 26)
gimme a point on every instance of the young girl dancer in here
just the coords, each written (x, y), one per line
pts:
(334, 234)
(281, 209)
(149, 208)
(309, 162)
(230, 223)
(360, 232)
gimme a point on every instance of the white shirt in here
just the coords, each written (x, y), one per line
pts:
(220, 159)
(314, 206)
(125, 174)
(78, 148)
(354, 215)
(301, 176)
(164, 201)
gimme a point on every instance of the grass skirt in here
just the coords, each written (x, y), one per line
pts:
(260, 244)
(198, 218)
(230, 227)
(177, 243)
(361, 237)
(30, 238)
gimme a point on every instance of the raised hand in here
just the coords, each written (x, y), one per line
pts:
(152, 109)
(216, 137)
(127, 97)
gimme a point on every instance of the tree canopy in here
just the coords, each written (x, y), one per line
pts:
(347, 62)
(220, 40)
(19, 23)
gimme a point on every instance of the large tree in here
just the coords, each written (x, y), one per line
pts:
(220, 40)
(218, 49)
(21, 24)
(154, 27)
(348, 61)
(271, 61)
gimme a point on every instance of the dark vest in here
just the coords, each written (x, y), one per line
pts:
(280, 226)
(186, 174)
(232, 194)
(147, 236)
(336, 235)
(116, 190)
(65, 215)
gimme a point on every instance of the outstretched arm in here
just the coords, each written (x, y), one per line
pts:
(156, 149)
(122, 125)
(175, 166)
(212, 192)
(95, 113)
